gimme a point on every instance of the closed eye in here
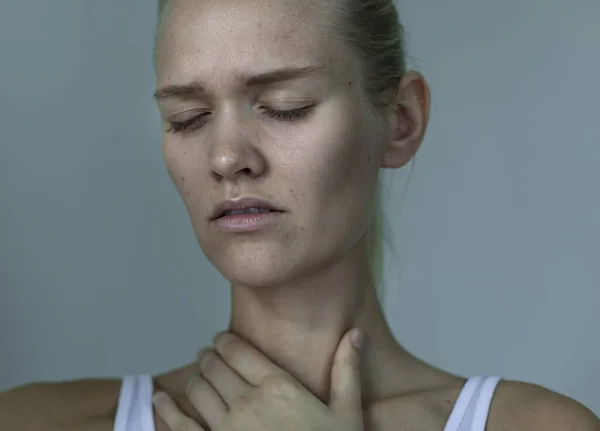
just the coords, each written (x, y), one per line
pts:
(289, 115)
(198, 121)
(192, 123)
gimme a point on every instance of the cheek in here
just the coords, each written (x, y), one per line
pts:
(179, 162)
(336, 154)
(333, 171)
(172, 160)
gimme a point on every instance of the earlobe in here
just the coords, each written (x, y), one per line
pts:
(397, 159)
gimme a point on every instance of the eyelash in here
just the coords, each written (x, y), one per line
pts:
(199, 120)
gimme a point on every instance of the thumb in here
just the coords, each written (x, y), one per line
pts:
(346, 389)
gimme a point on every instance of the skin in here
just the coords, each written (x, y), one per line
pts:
(246, 391)
(300, 284)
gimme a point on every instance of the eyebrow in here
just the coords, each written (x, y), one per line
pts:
(195, 88)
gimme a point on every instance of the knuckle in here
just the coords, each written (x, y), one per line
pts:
(195, 386)
(240, 406)
(278, 386)
(236, 420)
(229, 348)
(185, 424)
(246, 411)
(207, 362)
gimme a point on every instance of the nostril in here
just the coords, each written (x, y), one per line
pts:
(232, 173)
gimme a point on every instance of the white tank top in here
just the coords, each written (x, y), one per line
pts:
(135, 411)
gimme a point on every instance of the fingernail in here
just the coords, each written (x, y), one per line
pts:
(217, 335)
(192, 382)
(158, 398)
(357, 338)
(201, 352)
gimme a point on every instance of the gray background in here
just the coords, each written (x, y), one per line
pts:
(497, 269)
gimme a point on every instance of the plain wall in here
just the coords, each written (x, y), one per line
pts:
(497, 263)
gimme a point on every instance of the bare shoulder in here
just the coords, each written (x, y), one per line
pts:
(90, 403)
(525, 406)
(87, 404)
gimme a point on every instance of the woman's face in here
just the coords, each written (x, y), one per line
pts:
(225, 137)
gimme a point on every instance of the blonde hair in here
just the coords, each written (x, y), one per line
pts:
(372, 30)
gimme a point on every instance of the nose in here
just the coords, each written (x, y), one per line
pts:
(233, 154)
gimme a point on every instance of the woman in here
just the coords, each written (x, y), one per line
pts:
(278, 116)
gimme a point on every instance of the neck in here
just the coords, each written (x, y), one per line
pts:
(299, 325)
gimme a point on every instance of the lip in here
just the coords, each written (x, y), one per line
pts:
(242, 203)
(248, 222)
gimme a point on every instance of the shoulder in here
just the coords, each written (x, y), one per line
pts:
(524, 406)
(57, 405)
(91, 403)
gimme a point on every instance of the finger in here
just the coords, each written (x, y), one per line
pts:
(205, 399)
(245, 359)
(170, 413)
(346, 389)
(224, 379)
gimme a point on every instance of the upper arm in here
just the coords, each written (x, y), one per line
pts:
(525, 406)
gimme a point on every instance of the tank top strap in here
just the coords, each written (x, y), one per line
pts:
(472, 407)
(470, 412)
(135, 411)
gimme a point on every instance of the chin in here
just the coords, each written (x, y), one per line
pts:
(254, 266)
(259, 276)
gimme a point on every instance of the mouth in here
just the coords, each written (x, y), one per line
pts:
(239, 207)
(251, 210)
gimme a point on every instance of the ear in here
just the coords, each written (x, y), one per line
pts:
(409, 120)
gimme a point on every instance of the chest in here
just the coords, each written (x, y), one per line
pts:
(425, 412)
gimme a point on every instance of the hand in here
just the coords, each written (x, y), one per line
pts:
(242, 390)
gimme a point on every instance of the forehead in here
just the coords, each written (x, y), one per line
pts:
(243, 36)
